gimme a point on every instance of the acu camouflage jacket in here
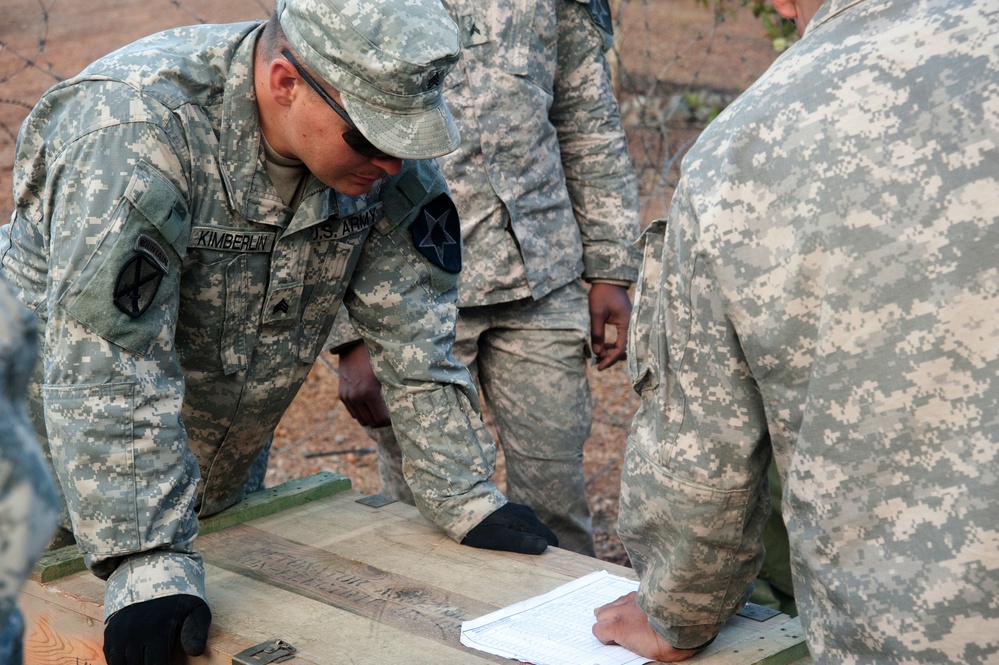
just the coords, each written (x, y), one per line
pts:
(825, 290)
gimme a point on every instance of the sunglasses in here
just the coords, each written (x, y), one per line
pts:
(353, 136)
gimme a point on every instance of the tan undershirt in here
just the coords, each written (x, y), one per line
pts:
(287, 174)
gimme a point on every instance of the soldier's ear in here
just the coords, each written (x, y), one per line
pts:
(283, 81)
(799, 11)
(786, 8)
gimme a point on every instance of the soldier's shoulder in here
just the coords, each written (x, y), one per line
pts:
(415, 182)
(193, 64)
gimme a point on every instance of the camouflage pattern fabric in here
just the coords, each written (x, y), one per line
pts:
(184, 305)
(827, 277)
(773, 586)
(529, 360)
(542, 177)
(28, 501)
(546, 193)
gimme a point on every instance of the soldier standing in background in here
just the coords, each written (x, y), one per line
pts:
(825, 292)
(189, 213)
(546, 195)
(29, 505)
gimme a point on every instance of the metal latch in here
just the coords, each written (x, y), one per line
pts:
(272, 651)
(376, 500)
(757, 612)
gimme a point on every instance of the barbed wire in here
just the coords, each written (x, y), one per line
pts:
(671, 75)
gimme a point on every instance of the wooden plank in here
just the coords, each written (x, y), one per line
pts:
(346, 582)
(355, 587)
(68, 560)
(323, 634)
(63, 627)
(396, 538)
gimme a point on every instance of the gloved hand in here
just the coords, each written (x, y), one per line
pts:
(512, 528)
(146, 633)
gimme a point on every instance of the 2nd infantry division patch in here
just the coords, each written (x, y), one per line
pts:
(437, 234)
(139, 279)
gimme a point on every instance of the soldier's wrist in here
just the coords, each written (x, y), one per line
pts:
(346, 347)
(614, 282)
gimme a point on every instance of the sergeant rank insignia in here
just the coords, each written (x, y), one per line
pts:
(437, 235)
(140, 278)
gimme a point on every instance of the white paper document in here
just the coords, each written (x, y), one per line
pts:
(555, 628)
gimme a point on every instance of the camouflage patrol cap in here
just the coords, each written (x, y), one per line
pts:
(388, 60)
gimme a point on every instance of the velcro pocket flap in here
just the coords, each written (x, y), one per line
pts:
(155, 198)
(127, 291)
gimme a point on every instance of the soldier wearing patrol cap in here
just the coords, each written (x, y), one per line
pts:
(190, 212)
(29, 505)
(824, 292)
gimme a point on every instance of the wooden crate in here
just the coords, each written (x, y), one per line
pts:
(345, 581)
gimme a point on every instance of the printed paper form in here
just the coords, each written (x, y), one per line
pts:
(555, 628)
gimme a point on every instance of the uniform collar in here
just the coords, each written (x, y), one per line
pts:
(241, 160)
(829, 10)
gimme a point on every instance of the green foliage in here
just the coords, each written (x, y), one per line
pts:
(780, 30)
(703, 107)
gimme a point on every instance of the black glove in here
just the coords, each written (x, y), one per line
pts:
(146, 633)
(512, 528)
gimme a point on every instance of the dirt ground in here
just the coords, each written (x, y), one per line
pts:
(674, 60)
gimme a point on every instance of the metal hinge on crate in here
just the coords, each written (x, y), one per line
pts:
(272, 651)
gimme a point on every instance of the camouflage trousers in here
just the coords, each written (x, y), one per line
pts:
(528, 358)
(773, 587)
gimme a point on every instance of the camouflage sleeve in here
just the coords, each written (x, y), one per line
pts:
(694, 498)
(403, 305)
(342, 335)
(112, 383)
(29, 507)
(598, 171)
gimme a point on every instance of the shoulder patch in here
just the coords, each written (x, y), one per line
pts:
(137, 284)
(436, 234)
